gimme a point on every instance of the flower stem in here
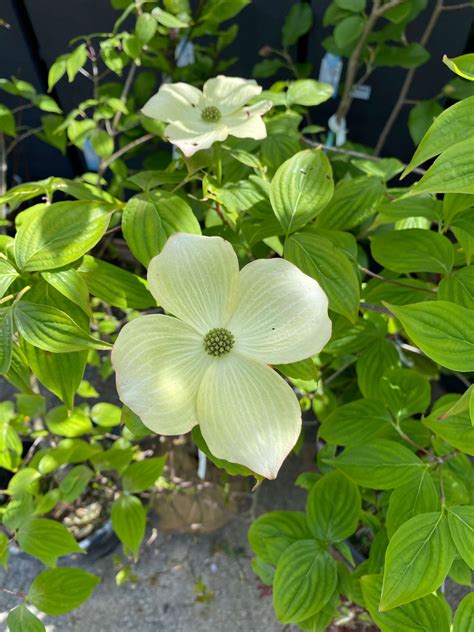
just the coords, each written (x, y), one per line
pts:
(218, 163)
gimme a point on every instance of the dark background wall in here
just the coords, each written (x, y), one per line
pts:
(41, 30)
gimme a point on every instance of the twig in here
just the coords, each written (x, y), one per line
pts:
(350, 152)
(124, 95)
(3, 178)
(375, 308)
(408, 80)
(123, 150)
(457, 7)
(20, 595)
(393, 281)
(19, 139)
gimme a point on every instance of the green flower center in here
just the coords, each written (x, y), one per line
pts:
(218, 342)
(211, 114)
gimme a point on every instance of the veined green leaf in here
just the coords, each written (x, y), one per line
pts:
(129, 522)
(274, 532)
(60, 233)
(452, 126)
(6, 335)
(305, 579)
(69, 284)
(114, 285)
(378, 464)
(356, 423)
(141, 475)
(51, 329)
(413, 250)
(60, 590)
(442, 330)
(7, 275)
(457, 429)
(46, 540)
(317, 257)
(301, 188)
(417, 561)
(461, 527)
(458, 287)
(20, 619)
(150, 218)
(418, 496)
(354, 201)
(451, 172)
(464, 615)
(427, 614)
(333, 508)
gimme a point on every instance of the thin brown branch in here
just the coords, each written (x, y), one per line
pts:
(457, 7)
(123, 150)
(402, 97)
(124, 95)
(374, 275)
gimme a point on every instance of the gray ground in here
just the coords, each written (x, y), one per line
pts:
(164, 599)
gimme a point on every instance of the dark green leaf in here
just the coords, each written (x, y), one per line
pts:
(272, 534)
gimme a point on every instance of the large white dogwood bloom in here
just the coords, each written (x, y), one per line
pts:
(208, 363)
(197, 119)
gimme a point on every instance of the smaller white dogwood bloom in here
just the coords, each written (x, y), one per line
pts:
(197, 119)
(208, 364)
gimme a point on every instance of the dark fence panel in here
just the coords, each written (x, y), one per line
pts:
(41, 30)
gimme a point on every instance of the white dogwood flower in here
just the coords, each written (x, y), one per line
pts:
(197, 119)
(208, 364)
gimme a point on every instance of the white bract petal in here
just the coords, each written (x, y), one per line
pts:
(175, 101)
(281, 315)
(196, 278)
(195, 136)
(248, 414)
(159, 364)
(230, 93)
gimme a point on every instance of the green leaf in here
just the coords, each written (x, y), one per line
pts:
(298, 21)
(274, 532)
(464, 615)
(457, 430)
(372, 365)
(60, 233)
(317, 257)
(351, 5)
(427, 614)
(66, 423)
(308, 92)
(56, 72)
(51, 329)
(150, 218)
(451, 127)
(378, 464)
(7, 121)
(404, 208)
(416, 497)
(69, 284)
(300, 188)
(26, 480)
(141, 475)
(405, 392)
(6, 335)
(463, 404)
(413, 250)
(102, 143)
(20, 619)
(458, 287)
(356, 423)
(114, 285)
(333, 508)
(354, 202)
(4, 550)
(409, 56)
(462, 65)
(75, 483)
(19, 510)
(61, 373)
(461, 527)
(145, 27)
(348, 30)
(106, 415)
(7, 275)
(442, 330)
(129, 522)
(168, 19)
(450, 172)
(417, 561)
(60, 590)
(305, 579)
(46, 540)
(75, 61)
(421, 117)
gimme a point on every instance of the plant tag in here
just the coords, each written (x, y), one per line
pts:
(330, 71)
